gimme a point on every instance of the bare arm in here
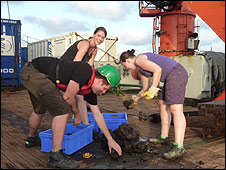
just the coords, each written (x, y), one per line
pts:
(83, 47)
(69, 95)
(103, 127)
(91, 60)
(148, 65)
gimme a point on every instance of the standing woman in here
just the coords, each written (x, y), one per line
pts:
(171, 98)
(84, 50)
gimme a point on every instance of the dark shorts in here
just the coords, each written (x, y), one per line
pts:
(44, 94)
(173, 91)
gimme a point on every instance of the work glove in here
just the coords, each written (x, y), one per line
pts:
(150, 94)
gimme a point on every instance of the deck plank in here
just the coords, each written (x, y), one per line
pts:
(6, 163)
(16, 141)
(14, 122)
(14, 157)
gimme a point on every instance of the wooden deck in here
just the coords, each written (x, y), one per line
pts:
(16, 108)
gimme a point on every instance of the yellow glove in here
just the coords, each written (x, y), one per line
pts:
(152, 91)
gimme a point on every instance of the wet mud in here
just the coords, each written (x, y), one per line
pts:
(20, 122)
(138, 153)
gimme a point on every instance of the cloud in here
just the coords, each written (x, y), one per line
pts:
(56, 25)
(217, 46)
(138, 49)
(207, 36)
(209, 40)
(133, 36)
(12, 2)
(206, 33)
(112, 11)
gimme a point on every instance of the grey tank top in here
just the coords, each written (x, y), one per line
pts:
(166, 63)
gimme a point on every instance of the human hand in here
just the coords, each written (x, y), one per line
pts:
(152, 91)
(135, 98)
(113, 145)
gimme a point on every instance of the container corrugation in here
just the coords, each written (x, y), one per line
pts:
(10, 52)
(56, 46)
(75, 138)
(113, 120)
(24, 56)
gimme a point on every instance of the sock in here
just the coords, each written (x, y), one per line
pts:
(174, 143)
(163, 137)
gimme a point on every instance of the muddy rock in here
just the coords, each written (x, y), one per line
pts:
(129, 104)
(129, 139)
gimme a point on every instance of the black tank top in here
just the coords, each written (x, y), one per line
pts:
(72, 51)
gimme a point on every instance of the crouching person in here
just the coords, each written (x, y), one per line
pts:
(44, 77)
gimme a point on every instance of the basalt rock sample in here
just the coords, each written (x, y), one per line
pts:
(128, 138)
(215, 112)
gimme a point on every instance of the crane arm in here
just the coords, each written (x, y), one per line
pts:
(212, 12)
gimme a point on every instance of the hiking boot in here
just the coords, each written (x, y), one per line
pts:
(175, 152)
(60, 160)
(159, 139)
(32, 141)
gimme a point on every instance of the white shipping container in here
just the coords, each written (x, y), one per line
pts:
(56, 46)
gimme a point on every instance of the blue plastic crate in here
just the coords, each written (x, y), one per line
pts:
(75, 138)
(113, 120)
(91, 121)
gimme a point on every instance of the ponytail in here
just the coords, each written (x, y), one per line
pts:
(131, 51)
(127, 54)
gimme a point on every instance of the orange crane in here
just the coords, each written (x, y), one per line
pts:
(177, 24)
(215, 10)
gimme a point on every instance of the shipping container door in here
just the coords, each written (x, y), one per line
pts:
(10, 51)
(7, 70)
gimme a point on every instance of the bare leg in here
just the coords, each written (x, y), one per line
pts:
(165, 118)
(179, 123)
(34, 123)
(58, 130)
(82, 108)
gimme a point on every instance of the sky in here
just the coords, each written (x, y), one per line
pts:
(45, 19)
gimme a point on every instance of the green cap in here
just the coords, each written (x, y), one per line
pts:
(111, 73)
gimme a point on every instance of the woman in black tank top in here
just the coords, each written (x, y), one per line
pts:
(84, 50)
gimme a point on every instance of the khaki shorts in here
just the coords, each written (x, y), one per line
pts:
(44, 94)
